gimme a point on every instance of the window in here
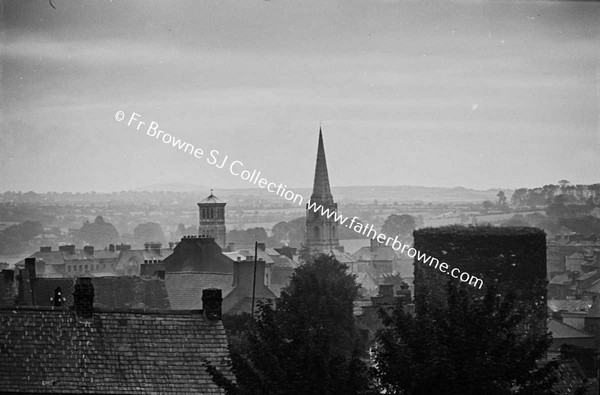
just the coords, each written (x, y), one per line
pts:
(86, 268)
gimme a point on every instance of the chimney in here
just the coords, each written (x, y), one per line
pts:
(111, 247)
(230, 247)
(374, 245)
(30, 267)
(211, 304)
(171, 245)
(386, 290)
(123, 247)
(83, 297)
(88, 250)
(156, 247)
(45, 249)
(160, 274)
(147, 246)
(262, 246)
(69, 249)
(243, 275)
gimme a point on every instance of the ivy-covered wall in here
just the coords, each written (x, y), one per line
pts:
(507, 258)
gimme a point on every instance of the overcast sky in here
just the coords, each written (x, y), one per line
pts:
(476, 94)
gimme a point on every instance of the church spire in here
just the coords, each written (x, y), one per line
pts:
(321, 188)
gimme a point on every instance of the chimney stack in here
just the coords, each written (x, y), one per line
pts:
(212, 300)
(243, 275)
(123, 247)
(45, 249)
(30, 267)
(262, 246)
(111, 247)
(386, 290)
(88, 250)
(374, 245)
(69, 249)
(83, 297)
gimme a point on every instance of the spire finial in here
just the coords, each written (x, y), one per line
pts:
(321, 189)
(211, 191)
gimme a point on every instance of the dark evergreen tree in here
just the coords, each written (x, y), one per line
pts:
(308, 343)
(470, 346)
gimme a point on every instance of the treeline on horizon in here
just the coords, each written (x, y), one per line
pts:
(564, 193)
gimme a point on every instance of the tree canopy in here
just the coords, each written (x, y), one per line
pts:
(401, 225)
(470, 346)
(147, 232)
(98, 233)
(308, 343)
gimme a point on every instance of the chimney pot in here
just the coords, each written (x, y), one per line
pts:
(212, 300)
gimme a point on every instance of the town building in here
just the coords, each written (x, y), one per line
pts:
(197, 263)
(86, 349)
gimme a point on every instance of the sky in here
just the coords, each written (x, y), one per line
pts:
(455, 93)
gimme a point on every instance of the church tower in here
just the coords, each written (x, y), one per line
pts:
(212, 219)
(321, 232)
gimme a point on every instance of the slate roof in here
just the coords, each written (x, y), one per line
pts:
(211, 199)
(572, 378)
(381, 253)
(342, 257)
(587, 275)
(594, 311)
(185, 288)
(560, 279)
(61, 257)
(50, 350)
(561, 330)
(569, 304)
(594, 288)
(244, 253)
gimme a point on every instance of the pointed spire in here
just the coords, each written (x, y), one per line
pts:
(321, 188)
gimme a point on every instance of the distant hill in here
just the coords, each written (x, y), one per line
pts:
(173, 187)
(402, 193)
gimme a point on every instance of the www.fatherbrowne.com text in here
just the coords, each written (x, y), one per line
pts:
(237, 168)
